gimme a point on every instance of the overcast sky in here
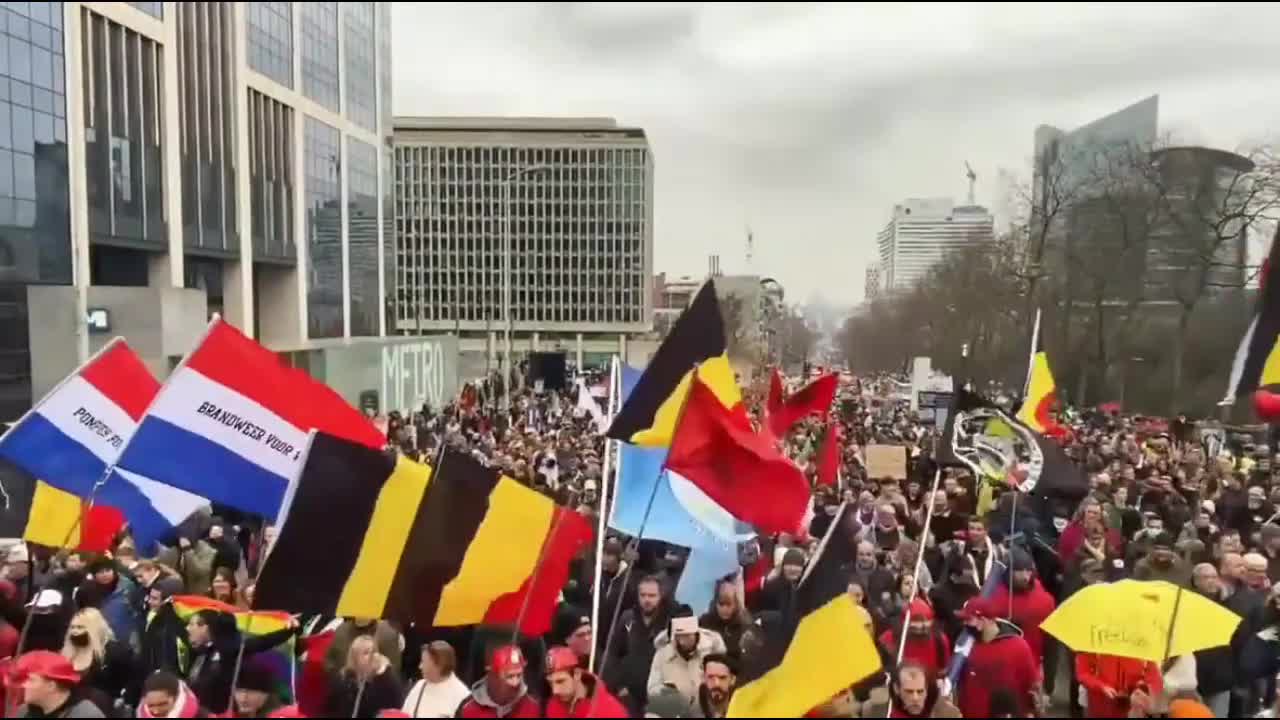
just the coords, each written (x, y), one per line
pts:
(807, 121)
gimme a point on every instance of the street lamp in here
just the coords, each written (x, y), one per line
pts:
(506, 273)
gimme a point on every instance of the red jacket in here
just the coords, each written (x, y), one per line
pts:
(479, 705)
(599, 703)
(1029, 610)
(933, 652)
(1004, 663)
(1124, 675)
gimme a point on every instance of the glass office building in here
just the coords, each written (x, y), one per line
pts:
(223, 157)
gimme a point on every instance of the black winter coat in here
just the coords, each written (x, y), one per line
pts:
(383, 692)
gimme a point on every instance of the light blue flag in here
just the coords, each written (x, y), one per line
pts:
(681, 515)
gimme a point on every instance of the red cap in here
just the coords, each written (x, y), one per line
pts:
(561, 658)
(289, 711)
(920, 610)
(505, 658)
(980, 608)
(46, 664)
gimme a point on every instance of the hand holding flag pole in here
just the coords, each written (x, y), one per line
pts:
(634, 546)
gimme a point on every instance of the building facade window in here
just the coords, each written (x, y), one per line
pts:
(269, 27)
(577, 217)
(154, 9)
(359, 52)
(206, 129)
(123, 77)
(35, 217)
(320, 53)
(362, 236)
(323, 188)
(271, 180)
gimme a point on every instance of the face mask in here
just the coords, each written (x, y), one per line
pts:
(80, 639)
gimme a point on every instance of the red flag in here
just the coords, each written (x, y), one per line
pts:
(539, 595)
(775, 393)
(829, 457)
(101, 524)
(740, 470)
(313, 681)
(816, 397)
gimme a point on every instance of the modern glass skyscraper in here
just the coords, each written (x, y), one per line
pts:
(219, 157)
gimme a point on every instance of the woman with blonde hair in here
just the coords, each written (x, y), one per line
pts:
(366, 685)
(105, 664)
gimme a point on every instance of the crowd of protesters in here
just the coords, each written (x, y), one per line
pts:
(102, 638)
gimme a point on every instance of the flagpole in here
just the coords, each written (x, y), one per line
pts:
(602, 524)
(915, 584)
(634, 545)
(1031, 357)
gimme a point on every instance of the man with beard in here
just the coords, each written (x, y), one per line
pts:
(719, 678)
(1162, 563)
(925, 646)
(632, 648)
(576, 693)
(999, 660)
(502, 693)
(1031, 603)
(915, 694)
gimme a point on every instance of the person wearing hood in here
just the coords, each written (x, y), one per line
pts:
(48, 685)
(576, 693)
(727, 616)
(678, 660)
(439, 693)
(165, 696)
(925, 646)
(368, 683)
(1000, 659)
(1031, 603)
(915, 694)
(255, 693)
(779, 588)
(214, 644)
(502, 693)
(111, 594)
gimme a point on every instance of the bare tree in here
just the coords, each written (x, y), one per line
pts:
(1211, 200)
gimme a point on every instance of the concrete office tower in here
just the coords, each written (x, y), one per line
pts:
(921, 233)
(161, 161)
(560, 207)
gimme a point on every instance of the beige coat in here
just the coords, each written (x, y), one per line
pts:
(669, 668)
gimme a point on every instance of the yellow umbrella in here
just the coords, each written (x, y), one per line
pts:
(1143, 620)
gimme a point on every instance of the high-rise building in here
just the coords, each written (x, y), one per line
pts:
(921, 233)
(162, 161)
(546, 224)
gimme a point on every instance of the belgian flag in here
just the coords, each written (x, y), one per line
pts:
(821, 646)
(1041, 391)
(648, 417)
(369, 535)
(1256, 368)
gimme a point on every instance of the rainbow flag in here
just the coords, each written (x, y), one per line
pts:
(281, 660)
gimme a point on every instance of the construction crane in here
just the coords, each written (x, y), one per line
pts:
(973, 178)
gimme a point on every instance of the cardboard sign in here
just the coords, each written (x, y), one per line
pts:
(886, 461)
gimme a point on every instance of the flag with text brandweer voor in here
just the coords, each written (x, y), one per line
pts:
(77, 432)
(231, 423)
